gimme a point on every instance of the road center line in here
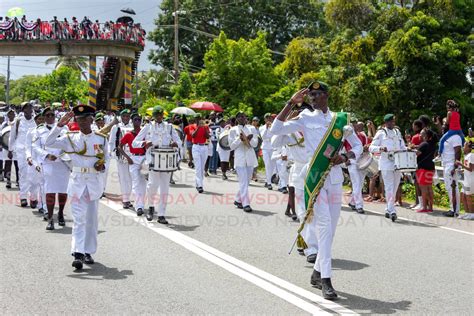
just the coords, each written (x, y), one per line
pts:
(262, 279)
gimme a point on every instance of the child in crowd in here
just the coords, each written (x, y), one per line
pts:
(467, 195)
(453, 120)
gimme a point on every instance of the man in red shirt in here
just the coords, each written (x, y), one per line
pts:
(135, 162)
(189, 141)
(200, 134)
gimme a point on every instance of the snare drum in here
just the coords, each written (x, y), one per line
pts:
(164, 159)
(405, 161)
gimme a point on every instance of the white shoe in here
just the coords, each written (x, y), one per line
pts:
(418, 207)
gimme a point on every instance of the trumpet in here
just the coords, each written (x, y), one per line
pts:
(106, 129)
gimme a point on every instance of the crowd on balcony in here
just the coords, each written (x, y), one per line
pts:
(21, 29)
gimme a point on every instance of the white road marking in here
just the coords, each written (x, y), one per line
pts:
(279, 287)
(426, 223)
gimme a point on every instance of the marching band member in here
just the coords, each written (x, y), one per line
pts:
(200, 135)
(224, 154)
(55, 171)
(116, 135)
(357, 176)
(157, 134)
(242, 140)
(20, 128)
(322, 130)
(267, 150)
(87, 150)
(280, 156)
(7, 168)
(386, 141)
(34, 172)
(135, 160)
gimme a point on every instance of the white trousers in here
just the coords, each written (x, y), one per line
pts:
(200, 154)
(84, 229)
(357, 180)
(23, 174)
(245, 175)
(309, 230)
(391, 180)
(270, 164)
(138, 182)
(327, 209)
(125, 180)
(448, 182)
(157, 190)
(283, 173)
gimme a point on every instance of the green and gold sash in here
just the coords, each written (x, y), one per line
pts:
(320, 166)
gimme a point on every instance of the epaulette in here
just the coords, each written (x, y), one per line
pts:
(72, 132)
(100, 134)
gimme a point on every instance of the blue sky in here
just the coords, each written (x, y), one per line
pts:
(147, 11)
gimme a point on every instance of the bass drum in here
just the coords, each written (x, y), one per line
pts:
(6, 137)
(224, 140)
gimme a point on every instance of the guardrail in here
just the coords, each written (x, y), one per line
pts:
(16, 30)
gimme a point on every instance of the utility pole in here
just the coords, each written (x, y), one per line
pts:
(176, 49)
(7, 84)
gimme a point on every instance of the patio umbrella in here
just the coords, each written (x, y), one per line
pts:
(206, 106)
(182, 110)
(15, 12)
(128, 10)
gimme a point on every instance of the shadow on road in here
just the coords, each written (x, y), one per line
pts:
(98, 271)
(180, 185)
(183, 228)
(262, 213)
(364, 305)
(212, 193)
(344, 264)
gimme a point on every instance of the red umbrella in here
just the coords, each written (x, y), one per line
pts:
(206, 106)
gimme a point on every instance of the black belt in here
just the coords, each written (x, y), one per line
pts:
(138, 154)
(201, 144)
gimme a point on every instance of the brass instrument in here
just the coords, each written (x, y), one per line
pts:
(106, 129)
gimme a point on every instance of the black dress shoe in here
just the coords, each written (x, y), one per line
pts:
(295, 218)
(127, 205)
(316, 279)
(45, 217)
(284, 190)
(224, 177)
(149, 214)
(88, 259)
(23, 203)
(393, 217)
(329, 292)
(8, 186)
(172, 181)
(352, 206)
(61, 221)
(312, 258)
(238, 205)
(33, 204)
(360, 210)
(140, 212)
(449, 214)
(200, 189)
(42, 211)
(387, 215)
(78, 260)
(50, 225)
(300, 251)
(247, 209)
(162, 220)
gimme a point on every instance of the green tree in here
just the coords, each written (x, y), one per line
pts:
(238, 75)
(79, 63)
(355, 14)
(184, 89)
(151, 83)
(280, 20)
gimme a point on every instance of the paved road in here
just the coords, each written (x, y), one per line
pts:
(216, 259)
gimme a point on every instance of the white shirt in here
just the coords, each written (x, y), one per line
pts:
(244, 156)
(468, 183)
(448, 155)
(295, 148)
(314, 125)
(18, 140)
(393, 141)
(39, 144)
(266, 135)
